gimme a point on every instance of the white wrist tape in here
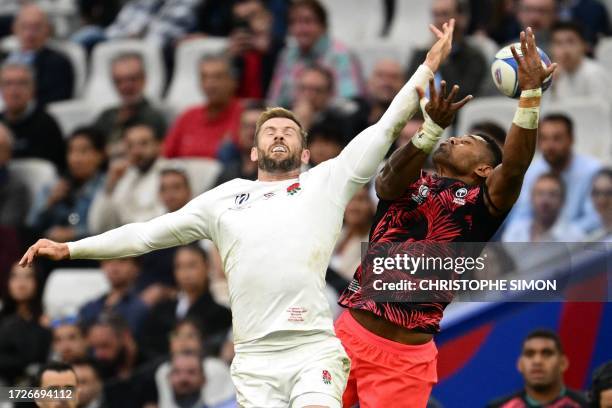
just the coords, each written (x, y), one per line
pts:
(527, 115)
(428, 135)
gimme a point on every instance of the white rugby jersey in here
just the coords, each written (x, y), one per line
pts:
(275, 238)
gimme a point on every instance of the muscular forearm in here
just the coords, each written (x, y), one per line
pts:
(363, 155)
(402, 168)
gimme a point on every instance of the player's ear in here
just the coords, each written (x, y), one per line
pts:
(564, 363)
(305, 157)
(254, 154)
(519, 365)
(483, 170)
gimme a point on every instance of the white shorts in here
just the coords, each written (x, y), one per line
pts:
(310, 374)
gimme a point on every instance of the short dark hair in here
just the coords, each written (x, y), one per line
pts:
(489, 128)
(55, 366)
(87, 361)
(177, 171)
(545, 334)
(568, 26)
(113, 321)
(602, 381)
(95, 137)
(326, 131)
(315, 6)
(132, 123)
(554, 177)
(561, 117)
(195, 247)
(603, 172)
(493, 148)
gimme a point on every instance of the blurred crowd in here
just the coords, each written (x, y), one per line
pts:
(93, 136)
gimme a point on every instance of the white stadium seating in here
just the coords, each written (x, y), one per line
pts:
(68, 289)
(73, 113)
(364, 21)
(37, 174)
(202, 173)
(100, 90)
(497, 109)
(603, 53)
(369, 53)
(185, 89)
(410, 23)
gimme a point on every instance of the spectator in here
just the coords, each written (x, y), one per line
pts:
(540, 15)
(23, 339)
(121, 299)
(314, 103)
(242, 166)
(14, 194)
(69, 343)
(542, 363)
(601, 194)
(547, 198)
(555, 141)
(590, 14)
(491, 129)
(129, 77)
(253, 47)
(577, 76)
(313, 46)
(601, 387)
(162, 22)
(466, 65)
(120, 364)
(158, 281)
(54, 72)
(356, 229)
(60, 212)
(200, 131)
(58, 377)
(384, 83)
(187, 384)
(36, 133)
(130, 192)
(324, 142)
(193, 300)
(90, 385)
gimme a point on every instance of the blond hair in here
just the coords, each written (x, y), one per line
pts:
(271, 113)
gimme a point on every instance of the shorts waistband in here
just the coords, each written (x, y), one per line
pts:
(393, 346)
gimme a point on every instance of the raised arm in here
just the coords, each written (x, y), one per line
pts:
(360, 159)
(405, 164)
(504, 183)
(181, 227)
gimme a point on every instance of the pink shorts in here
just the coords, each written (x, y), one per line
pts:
(384, 372)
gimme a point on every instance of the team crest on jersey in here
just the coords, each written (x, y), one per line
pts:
(460, 196)
(294, 189)
(326, 377)
(422, 195)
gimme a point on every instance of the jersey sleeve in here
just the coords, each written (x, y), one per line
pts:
(358, 161)
(190, 223)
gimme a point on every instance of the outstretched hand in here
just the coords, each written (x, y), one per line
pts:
(531, 71)
(45, 248)
(441, 48)
(441, 108)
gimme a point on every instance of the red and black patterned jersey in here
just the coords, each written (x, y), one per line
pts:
(567, 399)
(433, 210)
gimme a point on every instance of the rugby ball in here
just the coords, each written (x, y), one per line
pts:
(504, 70)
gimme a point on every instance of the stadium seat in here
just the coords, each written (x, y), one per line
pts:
(72, 114)
(496, 109)
(202, 173)
(487, 46)
(77, 57)
(100, 89)
(37, 174)
(603, 53)
(68, 289)
(365, 22)
(369, 53)
(411, 23)
(185, 89)
(592, 125)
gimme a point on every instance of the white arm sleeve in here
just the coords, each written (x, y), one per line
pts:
(358, 161)
(186, 225)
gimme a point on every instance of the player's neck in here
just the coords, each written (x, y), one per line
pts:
(544, 396)
(263, 175)
(449, 173)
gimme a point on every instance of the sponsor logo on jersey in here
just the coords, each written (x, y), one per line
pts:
(460, 195)
(326, 377)
(293, 189)
(422, 194)
(269, 195)
(240, 201)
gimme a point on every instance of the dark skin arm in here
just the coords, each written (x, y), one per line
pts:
(405, 164)
(505, 181)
